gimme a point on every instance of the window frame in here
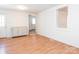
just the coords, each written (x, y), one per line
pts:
(4, 20)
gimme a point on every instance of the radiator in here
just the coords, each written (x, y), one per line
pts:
(19, 31)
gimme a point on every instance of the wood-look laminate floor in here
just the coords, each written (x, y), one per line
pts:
(35, 44)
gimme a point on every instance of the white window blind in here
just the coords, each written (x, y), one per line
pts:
(2, 20)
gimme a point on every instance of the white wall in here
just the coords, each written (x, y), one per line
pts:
(14, 19)
(47, 25)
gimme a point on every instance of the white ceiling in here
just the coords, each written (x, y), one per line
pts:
(31, 7)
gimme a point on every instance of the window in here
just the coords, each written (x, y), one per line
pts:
(2, 20)
(62, 17)
(33, 20)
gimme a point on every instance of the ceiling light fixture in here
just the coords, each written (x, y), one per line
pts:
(22, 7)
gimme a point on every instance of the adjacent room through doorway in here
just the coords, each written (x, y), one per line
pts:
(32, 24)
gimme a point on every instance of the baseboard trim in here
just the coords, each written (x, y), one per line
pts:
(57, 40)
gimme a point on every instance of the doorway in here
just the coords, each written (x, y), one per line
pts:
(32, 24)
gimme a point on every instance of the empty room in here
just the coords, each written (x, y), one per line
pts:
(39, 29)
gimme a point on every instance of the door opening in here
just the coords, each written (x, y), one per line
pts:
(32, 24)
